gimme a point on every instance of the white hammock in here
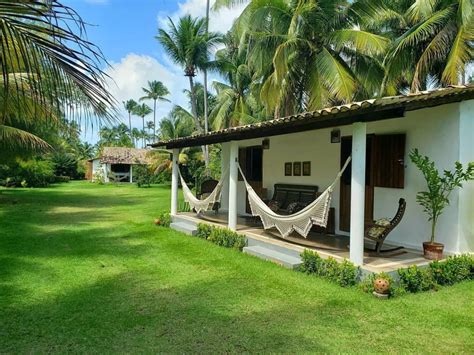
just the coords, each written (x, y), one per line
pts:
(315, 213)
(204, 204)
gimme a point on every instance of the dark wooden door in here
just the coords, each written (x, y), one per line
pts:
(345, 193)
(250, 161)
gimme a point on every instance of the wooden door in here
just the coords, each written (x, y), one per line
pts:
(250, 161)
(345, 191)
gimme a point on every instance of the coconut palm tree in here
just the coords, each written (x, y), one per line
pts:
(129, 106)
(142, 111)
(150, 126)
(432, 41)
(155, 91)
(48, 70)
(305, 51)
(189, 44)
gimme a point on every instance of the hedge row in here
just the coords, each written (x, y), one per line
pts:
(221, 236)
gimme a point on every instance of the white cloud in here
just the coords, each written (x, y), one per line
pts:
(133, 72)
(220, 21)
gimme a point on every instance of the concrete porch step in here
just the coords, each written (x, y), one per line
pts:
(184, 227)
(288, 261)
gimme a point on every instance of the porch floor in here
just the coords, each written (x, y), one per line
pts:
(336, 246)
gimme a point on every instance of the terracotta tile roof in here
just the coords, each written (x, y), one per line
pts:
(366, 110)
(124, 155)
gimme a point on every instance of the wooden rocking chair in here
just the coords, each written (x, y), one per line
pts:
(382, 235)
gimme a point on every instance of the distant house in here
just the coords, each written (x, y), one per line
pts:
(116, 163)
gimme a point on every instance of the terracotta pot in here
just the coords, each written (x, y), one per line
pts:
(381, 286)
(157, 221)
(433, 251)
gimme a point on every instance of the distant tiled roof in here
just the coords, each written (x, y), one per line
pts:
(123, 155)
(367, 110)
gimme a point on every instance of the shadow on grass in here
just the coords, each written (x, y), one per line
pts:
(121, 314)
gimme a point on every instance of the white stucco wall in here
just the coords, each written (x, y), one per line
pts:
(444, 133)
(96, 166)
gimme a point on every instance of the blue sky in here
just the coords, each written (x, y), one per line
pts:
(125, 30)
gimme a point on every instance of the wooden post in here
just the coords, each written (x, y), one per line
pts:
(233, 179)
(174, 182)
(359, 139)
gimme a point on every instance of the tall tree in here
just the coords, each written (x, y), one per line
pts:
(155, 91)
(48, 70)
(142, 111)
(189, 45)
(432, 41)
(130, 106)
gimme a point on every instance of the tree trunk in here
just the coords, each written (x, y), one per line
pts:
(154, 120)
(130, 127)
(194, 112)
(143, 121)
(206, 123)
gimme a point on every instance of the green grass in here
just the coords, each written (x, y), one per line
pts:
(84, 269)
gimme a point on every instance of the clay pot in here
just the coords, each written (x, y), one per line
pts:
(433, 251)
(157, 221)
(381, 286)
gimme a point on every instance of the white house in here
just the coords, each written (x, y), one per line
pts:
(116, 163)
(378, 134)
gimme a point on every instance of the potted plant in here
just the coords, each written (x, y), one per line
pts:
(436, 198)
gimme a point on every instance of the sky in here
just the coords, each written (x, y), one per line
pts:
(125, 29)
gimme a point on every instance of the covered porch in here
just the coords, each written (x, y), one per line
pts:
(377, 135)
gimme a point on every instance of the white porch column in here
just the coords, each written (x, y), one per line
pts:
(359, 133)
(225, 186)
(131, 173)
(233, 177)
(174, 182)
(106, 172)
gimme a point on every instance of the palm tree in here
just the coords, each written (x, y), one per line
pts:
(304, 53)
(189, 44)
(142, 111)
(431, 40)
(129, 106)
(156, 91)
(150, 126)
(48, 69)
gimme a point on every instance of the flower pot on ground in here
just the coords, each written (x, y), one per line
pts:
(436, 198)
(433, 250)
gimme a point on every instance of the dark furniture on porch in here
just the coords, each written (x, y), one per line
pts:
(286, 194)
(205, 189)
(385, 230)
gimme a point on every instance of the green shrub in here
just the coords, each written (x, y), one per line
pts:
(203, 230)
(164, 219)
(143, 175)
(58, 179)
(454, 269)
(226, 238)
(27, 173)
(415, 279)
(344, 274)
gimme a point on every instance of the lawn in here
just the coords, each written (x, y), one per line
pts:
(84, 269)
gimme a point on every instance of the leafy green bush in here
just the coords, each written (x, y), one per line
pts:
(203, 230)
(344, 274)
(163, 219)
(226, 238)
(143, 175)
(454, 269)
(58, 179)
(27, 173)
(415, 279)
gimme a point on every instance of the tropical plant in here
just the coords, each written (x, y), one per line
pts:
(432, 41)
(117, 136)
(436, 198)
(156, 91)
(303, 53)
(189, 44)
(48, 69)
(142, 111)
(130, 106)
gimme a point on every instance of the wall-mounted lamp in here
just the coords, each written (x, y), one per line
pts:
(336, 136)
(266, 143)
